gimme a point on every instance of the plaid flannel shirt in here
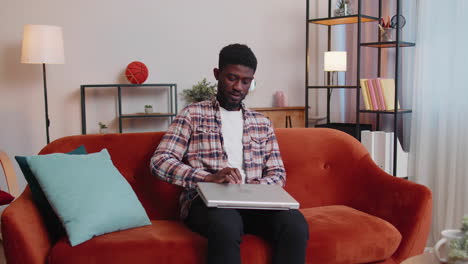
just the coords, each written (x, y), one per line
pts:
(192, 148)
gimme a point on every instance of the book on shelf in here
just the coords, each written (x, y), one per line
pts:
(402, 161)
(378, 94)
(365, 94)
(380, 147)
(388, 163)
(373, 98)
(368, 141)
(388, 89)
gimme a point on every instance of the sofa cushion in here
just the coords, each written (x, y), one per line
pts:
(338, 234)
(162, 242)
(341, 234)
(50, 218)
(88, 194)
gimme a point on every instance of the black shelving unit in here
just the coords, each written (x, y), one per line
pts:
(358, 19)
(330, 21)
(172, 107)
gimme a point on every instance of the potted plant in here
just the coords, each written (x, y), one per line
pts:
(148, 109)
(458, 253)
(203, 90)
(102, 128)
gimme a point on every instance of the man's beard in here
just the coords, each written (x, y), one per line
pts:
(229, 105)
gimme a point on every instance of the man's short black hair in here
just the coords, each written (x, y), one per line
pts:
(237, 54)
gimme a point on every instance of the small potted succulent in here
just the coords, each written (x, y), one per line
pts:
(102, 128)
(148, 109)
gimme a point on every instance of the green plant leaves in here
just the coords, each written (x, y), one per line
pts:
(202, 91)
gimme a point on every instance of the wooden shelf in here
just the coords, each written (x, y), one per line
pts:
(400, 111)
(389, 44)
(332, 86)
(331, 21)
(144, 115)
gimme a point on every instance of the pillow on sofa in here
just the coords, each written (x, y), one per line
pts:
(51, 220)
(5, 198)
(88, 194)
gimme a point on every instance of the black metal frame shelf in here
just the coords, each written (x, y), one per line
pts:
(144, 115)
(359, 19)
(353, 19)
(332, 87)
(172, 107)
(388, 44)
(400, 111)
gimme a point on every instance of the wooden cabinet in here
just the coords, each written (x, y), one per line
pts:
(283, 117)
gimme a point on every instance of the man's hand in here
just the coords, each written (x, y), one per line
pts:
(226, 175)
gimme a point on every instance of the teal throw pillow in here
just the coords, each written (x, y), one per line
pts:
(51, 220)
(88, 194)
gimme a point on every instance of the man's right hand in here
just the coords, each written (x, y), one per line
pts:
(226, 175)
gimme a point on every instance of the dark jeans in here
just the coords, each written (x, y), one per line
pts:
(287, 231)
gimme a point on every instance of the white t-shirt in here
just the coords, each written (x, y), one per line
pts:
(232, 128)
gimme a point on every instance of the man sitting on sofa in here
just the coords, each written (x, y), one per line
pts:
(221, 141)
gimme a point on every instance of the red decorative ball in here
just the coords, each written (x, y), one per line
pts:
(136, 72)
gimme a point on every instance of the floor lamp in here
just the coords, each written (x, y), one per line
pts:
(43, 44)
(333, 62)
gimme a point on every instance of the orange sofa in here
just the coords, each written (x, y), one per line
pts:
(356, 212)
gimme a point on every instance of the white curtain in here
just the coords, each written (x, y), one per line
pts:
(439, 133)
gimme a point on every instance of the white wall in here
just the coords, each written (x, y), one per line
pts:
(179, 41)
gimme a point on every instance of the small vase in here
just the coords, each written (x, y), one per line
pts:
(103, 130)
(280, 99)
(345, 10)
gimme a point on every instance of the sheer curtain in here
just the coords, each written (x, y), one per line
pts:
(439, 137)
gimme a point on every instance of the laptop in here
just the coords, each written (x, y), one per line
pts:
(246, 196)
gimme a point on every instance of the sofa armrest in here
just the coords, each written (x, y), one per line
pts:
(25, 237)
(404, 204)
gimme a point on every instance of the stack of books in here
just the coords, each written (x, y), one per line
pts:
(378, 94)
(380, 147)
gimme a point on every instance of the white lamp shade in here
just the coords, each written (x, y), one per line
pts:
(334, 61)
(42, 44)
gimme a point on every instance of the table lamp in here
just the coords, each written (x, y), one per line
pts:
(334, 62)
(43, 44)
